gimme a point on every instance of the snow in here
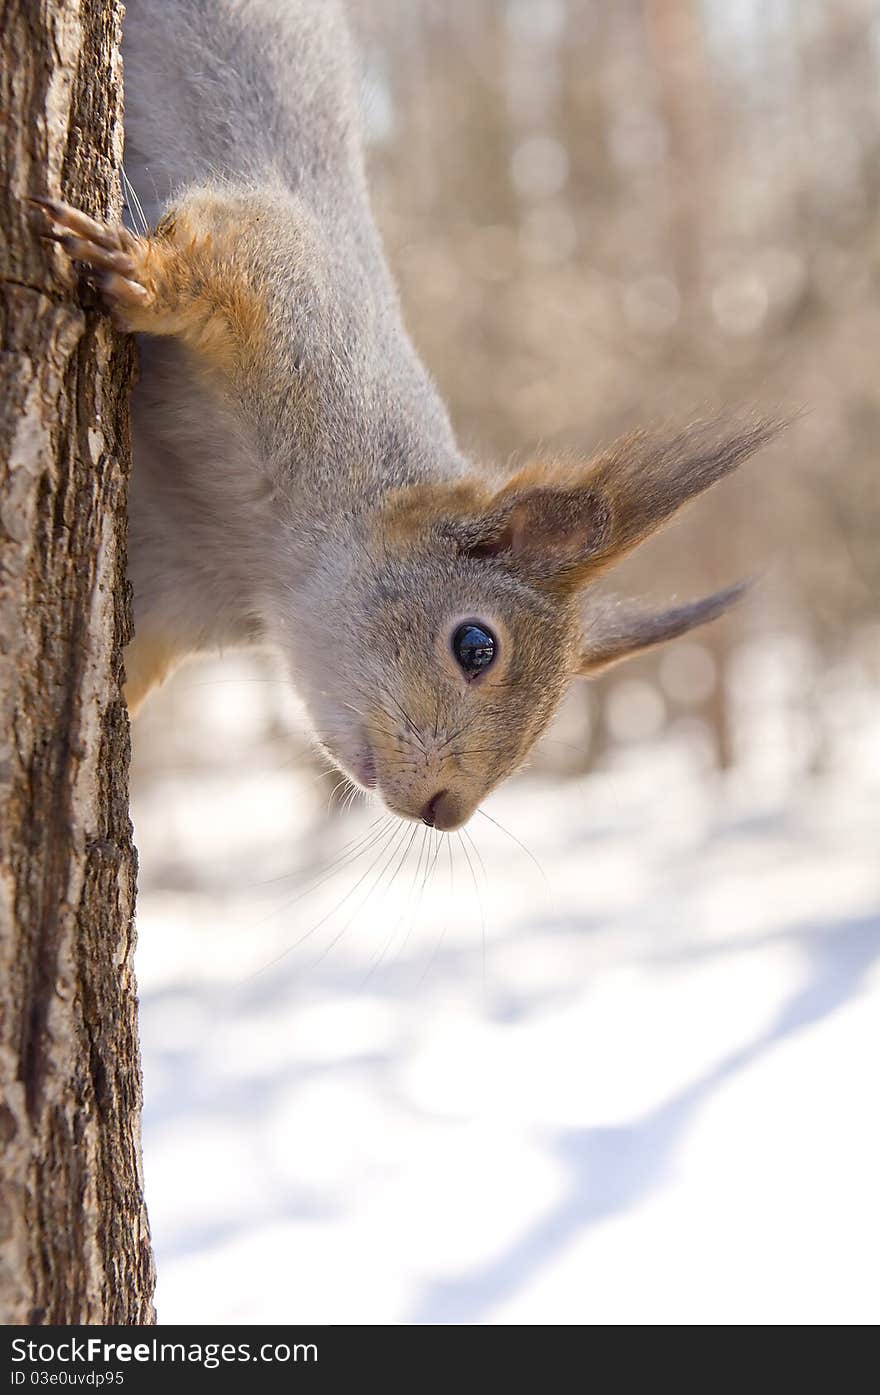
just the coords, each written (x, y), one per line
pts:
(634, 1083)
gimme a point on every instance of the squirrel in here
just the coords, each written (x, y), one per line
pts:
(296, 480)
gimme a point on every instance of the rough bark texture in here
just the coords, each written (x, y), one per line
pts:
(74, 1241)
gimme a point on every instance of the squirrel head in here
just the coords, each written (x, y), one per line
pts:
(468, 613)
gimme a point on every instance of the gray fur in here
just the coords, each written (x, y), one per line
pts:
(260, 95)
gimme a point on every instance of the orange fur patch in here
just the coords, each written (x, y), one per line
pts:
(149, 660)
(412, 511)
(201, 292)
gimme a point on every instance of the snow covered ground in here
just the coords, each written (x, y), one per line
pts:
(637, 1082)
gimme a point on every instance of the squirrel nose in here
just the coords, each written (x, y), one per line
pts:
(444, 812)
(432, 808)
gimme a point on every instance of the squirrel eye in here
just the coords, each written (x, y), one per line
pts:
(474, 648)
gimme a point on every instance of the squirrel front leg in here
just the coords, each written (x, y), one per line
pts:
(184, 280)
(196, 279)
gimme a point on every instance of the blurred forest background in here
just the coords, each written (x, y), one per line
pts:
(601, 216)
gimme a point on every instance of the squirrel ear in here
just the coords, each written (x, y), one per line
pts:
(545, 532)
(615, 630)
(563, 524)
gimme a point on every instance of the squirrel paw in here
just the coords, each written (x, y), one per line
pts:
(118, 257)
(182, 280)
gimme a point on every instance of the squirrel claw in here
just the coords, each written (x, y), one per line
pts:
(109, 250)
(95, 256)
(114, 238)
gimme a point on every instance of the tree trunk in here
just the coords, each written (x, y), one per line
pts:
(74, 1241)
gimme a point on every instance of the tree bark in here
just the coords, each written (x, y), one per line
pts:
(74, 1240)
